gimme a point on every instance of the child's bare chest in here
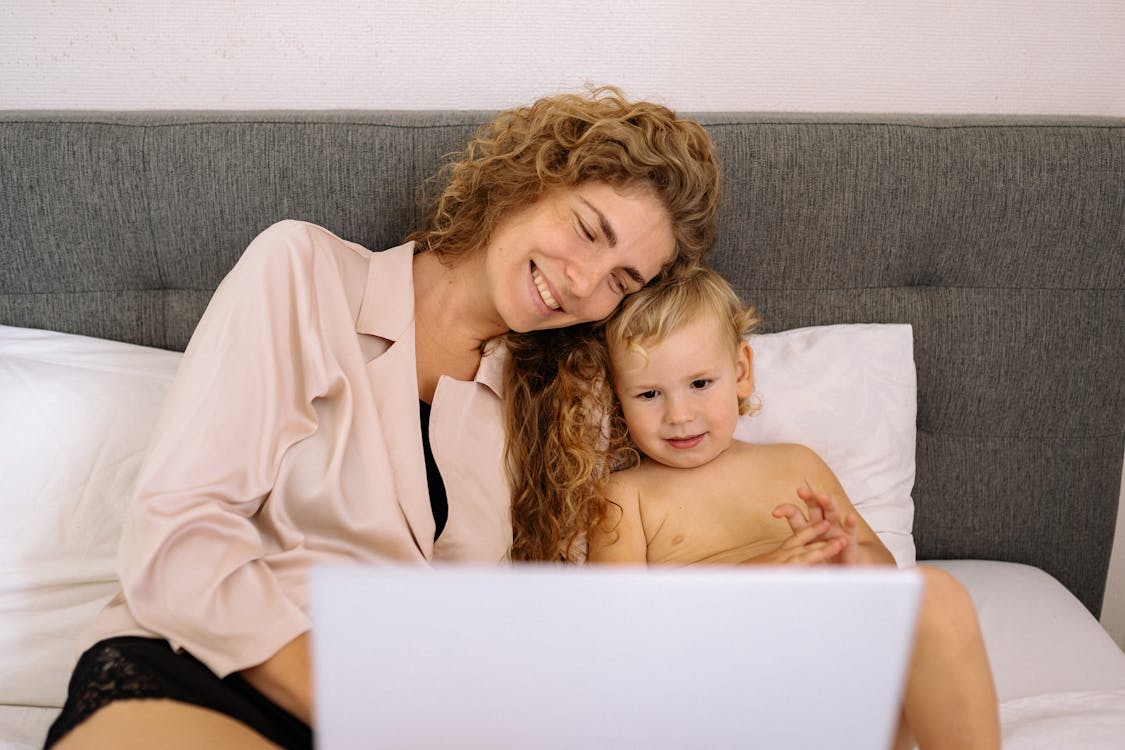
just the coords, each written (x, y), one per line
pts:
(715, 517)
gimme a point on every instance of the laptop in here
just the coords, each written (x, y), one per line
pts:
(546, 658)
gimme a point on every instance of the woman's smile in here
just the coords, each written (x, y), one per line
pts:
(575, 254)
(544, 289)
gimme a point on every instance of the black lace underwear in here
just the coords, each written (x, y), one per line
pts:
(132, 668)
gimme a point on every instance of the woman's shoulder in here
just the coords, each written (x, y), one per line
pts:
(301, 241)
(293, 248)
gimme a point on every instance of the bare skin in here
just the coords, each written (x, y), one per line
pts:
(285, 678)
(164, 723)
(729, 511)
(948, 650)
(167, 724)
(725, 511)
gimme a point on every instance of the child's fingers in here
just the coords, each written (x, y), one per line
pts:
(810, 552)
(817, 503)
(818, 552)
(805, 536)
(830, 504)
(827, 507)
(794, 515)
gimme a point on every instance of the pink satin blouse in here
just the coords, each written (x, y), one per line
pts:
(291, 437)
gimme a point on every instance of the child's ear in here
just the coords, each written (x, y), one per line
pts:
(744, 366)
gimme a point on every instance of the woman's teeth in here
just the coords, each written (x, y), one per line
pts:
(544, 290)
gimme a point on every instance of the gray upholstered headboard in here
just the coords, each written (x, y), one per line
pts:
(1001, 240)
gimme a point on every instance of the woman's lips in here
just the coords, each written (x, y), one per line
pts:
(544, 289)
(685, 443)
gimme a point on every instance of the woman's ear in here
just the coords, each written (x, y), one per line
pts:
(744, 366)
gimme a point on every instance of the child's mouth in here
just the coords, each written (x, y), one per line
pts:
(685, 443)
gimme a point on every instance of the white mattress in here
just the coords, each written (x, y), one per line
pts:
(1059, 676)
(1040, 638)
(24, 727)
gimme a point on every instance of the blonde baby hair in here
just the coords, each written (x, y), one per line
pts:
(654, 313)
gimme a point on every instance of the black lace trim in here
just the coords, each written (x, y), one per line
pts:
(132, 667)
(103, 674)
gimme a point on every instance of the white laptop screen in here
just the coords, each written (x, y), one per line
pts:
(554, 657)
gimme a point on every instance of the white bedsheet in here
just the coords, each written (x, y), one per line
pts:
(24, 727)
(1059, 676)
(1077, 720)
(1041, 640)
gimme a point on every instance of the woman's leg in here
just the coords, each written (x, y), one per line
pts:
(161, 723)
(950, 699)
(130, 691)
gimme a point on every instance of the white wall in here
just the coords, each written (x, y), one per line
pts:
(956, 56)
(1008, 56)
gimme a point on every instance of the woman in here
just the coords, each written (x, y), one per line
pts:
(335, 404)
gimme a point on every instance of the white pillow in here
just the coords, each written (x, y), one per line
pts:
(848, 392)
(77, 415)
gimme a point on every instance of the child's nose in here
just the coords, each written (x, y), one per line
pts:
(677, 411)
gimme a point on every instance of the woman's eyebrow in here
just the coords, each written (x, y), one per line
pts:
(607, 228)
(632, 272)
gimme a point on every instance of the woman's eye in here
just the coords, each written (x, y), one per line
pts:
(585, 230)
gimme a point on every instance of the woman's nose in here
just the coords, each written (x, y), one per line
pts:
(585, 273)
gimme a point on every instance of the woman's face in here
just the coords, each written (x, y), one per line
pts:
(572, 256)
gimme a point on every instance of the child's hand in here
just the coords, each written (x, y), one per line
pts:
(824, 508)
(807, 546)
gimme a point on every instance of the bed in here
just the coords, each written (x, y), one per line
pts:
(943, 302)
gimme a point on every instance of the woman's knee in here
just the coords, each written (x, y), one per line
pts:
(945, 602)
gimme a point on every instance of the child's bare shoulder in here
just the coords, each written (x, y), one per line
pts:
(648, 480)
(622, 481)
(790, 457)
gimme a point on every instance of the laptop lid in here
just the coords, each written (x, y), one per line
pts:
(550, 657)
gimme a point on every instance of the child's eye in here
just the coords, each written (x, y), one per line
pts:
(647, 395)
(700, 384)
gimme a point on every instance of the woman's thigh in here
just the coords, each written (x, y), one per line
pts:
(159, 722)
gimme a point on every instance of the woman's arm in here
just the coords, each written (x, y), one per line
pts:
(285, 678)
(192, 557)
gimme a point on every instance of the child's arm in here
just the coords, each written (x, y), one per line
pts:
(620, 537)
(827, 501)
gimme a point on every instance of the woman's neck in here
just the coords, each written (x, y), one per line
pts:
(449, 325)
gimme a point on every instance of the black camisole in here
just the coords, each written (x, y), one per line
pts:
(439, 503)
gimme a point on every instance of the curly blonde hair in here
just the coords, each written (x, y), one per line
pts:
(565, 141)
(555, 434)
(556, 403)
(656, 312)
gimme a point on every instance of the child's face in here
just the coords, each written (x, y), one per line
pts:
(681, 401)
